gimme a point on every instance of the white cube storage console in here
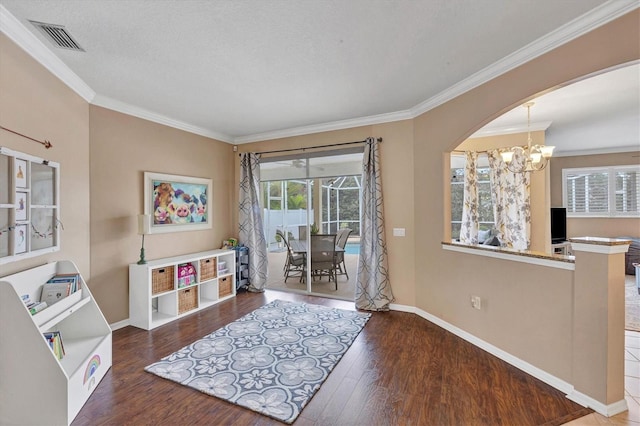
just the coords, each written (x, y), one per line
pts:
(164, 290)
(36, 387)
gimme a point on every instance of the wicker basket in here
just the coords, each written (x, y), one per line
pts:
(207, 269)
(187, 299)
(224, 286)
(162, 279)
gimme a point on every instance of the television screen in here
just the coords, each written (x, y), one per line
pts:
(558, 225)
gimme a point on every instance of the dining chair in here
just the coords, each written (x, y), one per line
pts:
(341, 241)
(294, 266)
(323, 256)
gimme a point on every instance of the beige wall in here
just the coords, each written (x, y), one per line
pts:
(122, 149)
(444, 128)
(595, 227)
(540, 225)
(37, 104)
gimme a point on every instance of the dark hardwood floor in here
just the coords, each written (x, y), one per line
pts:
(401, 370)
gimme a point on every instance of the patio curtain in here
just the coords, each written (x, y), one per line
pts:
(373, 289)
(470, 215)
(251, 232)
(510, 193)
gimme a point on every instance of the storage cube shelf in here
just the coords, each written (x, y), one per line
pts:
(29, 370)
(159, 293)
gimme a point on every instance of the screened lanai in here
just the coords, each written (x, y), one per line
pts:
(307, 196)
(285, 207)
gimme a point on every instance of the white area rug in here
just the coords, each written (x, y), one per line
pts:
(272, 360)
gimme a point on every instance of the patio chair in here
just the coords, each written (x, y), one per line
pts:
(323, 256)
(294, 266)
(341, 241)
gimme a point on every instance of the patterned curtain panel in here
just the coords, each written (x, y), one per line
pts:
(510, 193)
(469, 226)
(373, 289)
(250, 217)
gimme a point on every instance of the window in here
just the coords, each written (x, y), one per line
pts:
(485, 209)
(602, 191)
(29, 206)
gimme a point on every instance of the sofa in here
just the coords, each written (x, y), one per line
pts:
(632, 255)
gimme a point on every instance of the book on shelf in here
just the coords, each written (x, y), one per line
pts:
(37, 307)
(58, 287)
(73, 278)
(54, 338)
(33, 307)
(55, 292)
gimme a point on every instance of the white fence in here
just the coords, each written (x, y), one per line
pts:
(287, 221)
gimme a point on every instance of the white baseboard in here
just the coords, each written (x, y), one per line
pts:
(402, 308)
(551, 380)
(536, 372)
(120, 324)
(606, 410)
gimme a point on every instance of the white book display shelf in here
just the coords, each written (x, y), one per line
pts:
(35, 386)
(163, 290)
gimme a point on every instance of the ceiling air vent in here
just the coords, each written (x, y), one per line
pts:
(58, 35)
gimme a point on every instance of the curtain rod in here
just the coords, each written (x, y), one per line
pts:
(312, 147)
(46, 143)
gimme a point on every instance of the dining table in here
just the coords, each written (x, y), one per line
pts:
(302, 246)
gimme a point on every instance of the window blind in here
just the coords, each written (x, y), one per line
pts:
(627, 191)
(604, 191)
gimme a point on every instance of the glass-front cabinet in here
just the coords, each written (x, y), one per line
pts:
(29, 206)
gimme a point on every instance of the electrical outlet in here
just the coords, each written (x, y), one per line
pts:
(476, 302)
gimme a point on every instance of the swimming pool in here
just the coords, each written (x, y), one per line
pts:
(352, 248)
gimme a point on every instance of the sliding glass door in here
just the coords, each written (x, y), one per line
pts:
(309, 200)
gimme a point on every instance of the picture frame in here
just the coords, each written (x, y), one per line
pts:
(20, 239)
(177, 203)
(20, 173)
(22, 206)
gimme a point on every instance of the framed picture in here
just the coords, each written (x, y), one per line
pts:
(21, 205)
(20, 239)
(20, 173)
(177, 203)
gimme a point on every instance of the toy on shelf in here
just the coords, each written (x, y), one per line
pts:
(229, 243)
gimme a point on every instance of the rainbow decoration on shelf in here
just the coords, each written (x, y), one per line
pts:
(92, 366)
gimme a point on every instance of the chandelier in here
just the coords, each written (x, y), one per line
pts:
(536, 157)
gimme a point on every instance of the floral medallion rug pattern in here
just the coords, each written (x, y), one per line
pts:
(272, 360)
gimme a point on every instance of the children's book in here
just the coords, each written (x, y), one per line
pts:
(55, 292)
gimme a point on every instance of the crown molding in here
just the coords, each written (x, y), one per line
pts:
(595, 18)
(326, 127)
(145, 114)
(588, 22)
(16, 31)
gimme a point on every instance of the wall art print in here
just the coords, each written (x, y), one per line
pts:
(20, 175)
(21, 205)
(20, 239)
(177, 203)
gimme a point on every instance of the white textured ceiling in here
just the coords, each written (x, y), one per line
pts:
(251, 69)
